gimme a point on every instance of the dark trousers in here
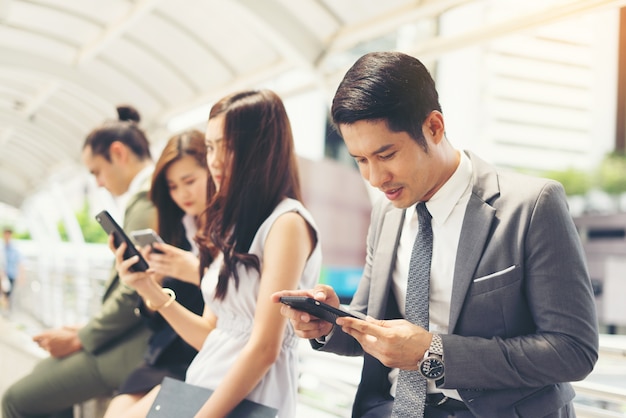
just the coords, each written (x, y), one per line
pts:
(433, 412)
(384, 410)
(53, 387)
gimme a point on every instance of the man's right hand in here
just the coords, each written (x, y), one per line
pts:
(306, 325)
(59, 342)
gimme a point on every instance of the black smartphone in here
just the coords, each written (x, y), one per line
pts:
(107, 222)
(319, 309)
(145, 237)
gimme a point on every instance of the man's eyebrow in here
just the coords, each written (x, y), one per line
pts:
(378, 151)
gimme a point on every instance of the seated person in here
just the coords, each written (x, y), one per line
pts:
(256, 238)
(93, 360)
(179, 190)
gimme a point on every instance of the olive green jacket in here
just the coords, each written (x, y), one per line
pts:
(116, 336)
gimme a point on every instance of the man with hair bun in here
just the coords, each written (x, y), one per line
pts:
(94, 359)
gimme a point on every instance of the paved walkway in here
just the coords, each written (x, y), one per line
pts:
(18, 353)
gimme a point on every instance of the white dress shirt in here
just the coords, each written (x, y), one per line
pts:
(191, 227)
(134, 187)
(447, 208)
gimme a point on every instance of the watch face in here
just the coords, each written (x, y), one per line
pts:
(431, 368)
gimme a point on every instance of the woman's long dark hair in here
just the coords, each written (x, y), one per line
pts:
(261, 170)
(170, 215)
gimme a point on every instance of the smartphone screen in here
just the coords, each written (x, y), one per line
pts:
(111, 227)
(145, 237)
(317, 308)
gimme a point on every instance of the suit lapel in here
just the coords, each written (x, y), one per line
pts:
(385, 261)
(474, 233)
(145, 187)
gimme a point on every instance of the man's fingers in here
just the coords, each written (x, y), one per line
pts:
(371, 326)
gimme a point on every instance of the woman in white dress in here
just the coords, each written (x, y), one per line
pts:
(257, 239)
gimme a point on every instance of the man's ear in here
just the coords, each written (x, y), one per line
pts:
(118, 152)
(434, 126)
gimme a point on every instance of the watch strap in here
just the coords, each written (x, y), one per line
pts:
(436, 345)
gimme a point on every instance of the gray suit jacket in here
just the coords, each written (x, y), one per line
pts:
(522, 317)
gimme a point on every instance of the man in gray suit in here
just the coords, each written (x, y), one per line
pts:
(511, 311)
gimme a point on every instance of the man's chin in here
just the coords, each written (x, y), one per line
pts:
(400, 203)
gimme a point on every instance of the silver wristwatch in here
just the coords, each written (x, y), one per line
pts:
(431, 366)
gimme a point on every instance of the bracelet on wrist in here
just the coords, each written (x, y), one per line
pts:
(165, 304)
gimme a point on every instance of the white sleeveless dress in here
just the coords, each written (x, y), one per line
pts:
(278, 388)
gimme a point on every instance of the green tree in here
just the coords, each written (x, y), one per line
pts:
(25, 235)
(92, 231)
(612, 173)
(575, 182)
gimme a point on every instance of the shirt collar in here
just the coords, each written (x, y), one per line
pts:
(442, 203)
(191, 227)
(135, 186)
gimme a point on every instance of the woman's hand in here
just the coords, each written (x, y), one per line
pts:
(136, 280)
(174, 262)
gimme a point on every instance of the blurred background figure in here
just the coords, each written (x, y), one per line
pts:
(10, 267)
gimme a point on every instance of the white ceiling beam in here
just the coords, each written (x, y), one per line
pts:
(245, 81)
(435, 47)
(10, 196)
(5, 9)
(48, 68)
(281, 29)
(115, 30)
(6, 135)
(350, 35)
(430, 49)
(57, 141)
(35, 103)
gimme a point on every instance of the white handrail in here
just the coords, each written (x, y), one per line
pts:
(601, 391)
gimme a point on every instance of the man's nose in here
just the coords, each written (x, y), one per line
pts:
(376, 175)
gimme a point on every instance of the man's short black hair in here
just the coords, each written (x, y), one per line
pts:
(389, 86)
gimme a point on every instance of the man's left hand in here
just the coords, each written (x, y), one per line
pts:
(396, 343)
